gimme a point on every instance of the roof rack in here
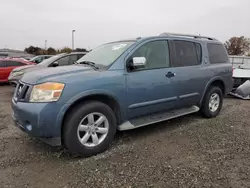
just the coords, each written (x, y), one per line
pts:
(186, 35)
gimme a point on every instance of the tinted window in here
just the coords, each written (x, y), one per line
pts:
(217, 53)
(2, 64)
(184, 53)
(13, 64)
(64, 61)
(79, 56)
(199, 52)
(73, 58)
(156, 54)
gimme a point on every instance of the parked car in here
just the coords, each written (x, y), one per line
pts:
(8, 64)
(57, 60)
(38, 59)
(120, 86)
(241, 81)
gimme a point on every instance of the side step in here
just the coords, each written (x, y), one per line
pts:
(157, 117)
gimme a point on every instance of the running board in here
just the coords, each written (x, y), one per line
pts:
(157, 117)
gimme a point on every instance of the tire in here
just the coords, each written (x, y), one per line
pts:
(72, 134)
(205, 109)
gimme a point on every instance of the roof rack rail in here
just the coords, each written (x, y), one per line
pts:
(186, 35)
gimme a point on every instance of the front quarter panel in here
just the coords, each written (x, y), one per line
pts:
(110, 83)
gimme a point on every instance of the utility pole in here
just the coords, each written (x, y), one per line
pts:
(45, 44)
(73, 31)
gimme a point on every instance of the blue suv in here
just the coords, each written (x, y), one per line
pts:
(120, 86)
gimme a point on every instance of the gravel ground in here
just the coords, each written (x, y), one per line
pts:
(185, 152)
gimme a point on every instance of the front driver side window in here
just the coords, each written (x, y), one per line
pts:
(156, 54)
(63, 61)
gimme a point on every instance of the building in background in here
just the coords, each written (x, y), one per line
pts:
(15, 53)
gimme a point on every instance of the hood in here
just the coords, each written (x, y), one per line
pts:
(60, 74)
(241, 73)
(22, 68)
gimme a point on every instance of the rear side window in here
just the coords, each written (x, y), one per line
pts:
(14, 64)
(2, 63)
(79, 56)
(217, 53)
(73, 58)
(64, 61)
(185, 53)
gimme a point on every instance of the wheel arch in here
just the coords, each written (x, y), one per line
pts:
(106, 97)
(217, 81)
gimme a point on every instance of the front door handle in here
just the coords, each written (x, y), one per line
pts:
(170, 74)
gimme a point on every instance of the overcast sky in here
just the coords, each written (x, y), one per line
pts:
(31, 22)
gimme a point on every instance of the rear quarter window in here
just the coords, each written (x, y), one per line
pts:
(217, 53)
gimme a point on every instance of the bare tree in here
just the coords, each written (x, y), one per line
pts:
(238, 45)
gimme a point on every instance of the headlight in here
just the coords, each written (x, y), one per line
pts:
(46, 92)
(17, 73)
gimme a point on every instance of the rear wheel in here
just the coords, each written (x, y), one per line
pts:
(212, 102)
(89, 129)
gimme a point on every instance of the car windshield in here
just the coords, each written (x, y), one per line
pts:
(50, 60)
(34, 58)
(106, 54)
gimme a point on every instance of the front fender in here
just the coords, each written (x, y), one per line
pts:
(79, 96)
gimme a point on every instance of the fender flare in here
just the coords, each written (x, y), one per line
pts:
(217, 78)
(80, 96)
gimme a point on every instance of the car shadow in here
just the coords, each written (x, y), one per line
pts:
(124, 137)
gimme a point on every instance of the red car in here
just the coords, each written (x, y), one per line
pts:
(8, 64)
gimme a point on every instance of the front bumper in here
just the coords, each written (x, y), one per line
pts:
(38, 120)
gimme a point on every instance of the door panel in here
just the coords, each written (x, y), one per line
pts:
(148, 88)
(3, 70)
(148, 92)
(189, 82)
(190, 76)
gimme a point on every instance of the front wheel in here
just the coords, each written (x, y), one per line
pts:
(212, 102)
(89, 129)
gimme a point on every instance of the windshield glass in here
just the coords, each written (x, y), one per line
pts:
(48, 61)
(33, 59)
(106, 54)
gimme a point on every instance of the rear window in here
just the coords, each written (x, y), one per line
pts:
(217, 53)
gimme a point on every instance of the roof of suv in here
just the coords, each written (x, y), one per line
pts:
(176, 36)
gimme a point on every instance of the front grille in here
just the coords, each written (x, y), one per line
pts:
(22, 92)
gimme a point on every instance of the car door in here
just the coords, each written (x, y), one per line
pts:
(187, 71)
(11, 64)
(2, 70)
(148, 89)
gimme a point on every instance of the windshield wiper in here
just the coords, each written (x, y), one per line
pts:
(92, 64)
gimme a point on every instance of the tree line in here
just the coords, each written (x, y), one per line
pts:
(34, 50)
(238, 46)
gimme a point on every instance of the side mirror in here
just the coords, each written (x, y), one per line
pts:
(139, 62)
(55, 64)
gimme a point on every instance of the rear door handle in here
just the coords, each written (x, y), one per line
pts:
(170, 74)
